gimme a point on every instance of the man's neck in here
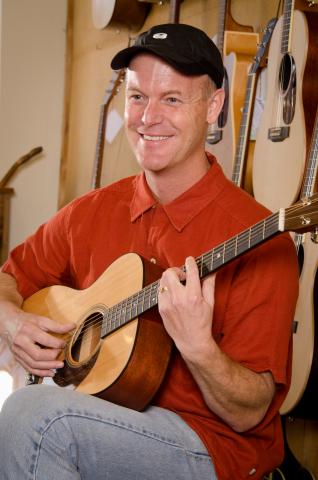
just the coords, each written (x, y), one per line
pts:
(167, 185)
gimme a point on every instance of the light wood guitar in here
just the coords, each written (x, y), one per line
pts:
(303, 392)
(280, 149)
(237, 45)
(120, 350)
(240, 161)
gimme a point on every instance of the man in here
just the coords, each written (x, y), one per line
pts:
(215, 414)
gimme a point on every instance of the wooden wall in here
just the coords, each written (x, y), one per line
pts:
(88, 74)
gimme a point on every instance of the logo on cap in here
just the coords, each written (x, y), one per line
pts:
(161, 36)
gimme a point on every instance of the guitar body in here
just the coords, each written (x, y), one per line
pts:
(130, 13)
(303, 393)
(128, 365)
(278, 166)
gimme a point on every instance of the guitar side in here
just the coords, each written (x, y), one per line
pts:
(129, 364)
(278, 166)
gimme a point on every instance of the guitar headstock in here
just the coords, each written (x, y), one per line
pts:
(302, 216)
(259, 59)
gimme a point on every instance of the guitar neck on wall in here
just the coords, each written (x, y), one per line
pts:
(238, 174)
(111, 90)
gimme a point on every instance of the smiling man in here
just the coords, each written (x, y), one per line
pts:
(215, 413)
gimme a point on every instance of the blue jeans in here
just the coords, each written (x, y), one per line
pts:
(49, 433)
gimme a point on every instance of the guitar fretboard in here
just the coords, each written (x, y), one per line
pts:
(237, 174)
(287, 25)
(221, 25)
(142, 301)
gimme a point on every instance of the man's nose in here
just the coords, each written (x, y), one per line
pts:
(152, 113)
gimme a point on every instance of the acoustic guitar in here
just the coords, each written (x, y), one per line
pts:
(238, 174)
(237, 45)
(120, 350)
(303, 393)
(280, 148)
(130, 13)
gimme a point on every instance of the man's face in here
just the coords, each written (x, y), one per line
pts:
(166, 114)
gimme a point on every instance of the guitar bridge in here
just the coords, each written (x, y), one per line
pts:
(214, 137)
(278, 134)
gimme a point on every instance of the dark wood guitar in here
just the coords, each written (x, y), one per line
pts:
(280, 149)
(120, 350)
(238, 173)
(237, 45)
(111, 90)
(130, 13)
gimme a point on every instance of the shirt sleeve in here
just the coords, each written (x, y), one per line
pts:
(43, 259)
(257, 321)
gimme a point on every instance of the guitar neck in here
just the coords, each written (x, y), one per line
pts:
(110, 92)
(241, 148)
(221, 26)
(310, 174)
(174, 12)
(287, 26)
(147, 298)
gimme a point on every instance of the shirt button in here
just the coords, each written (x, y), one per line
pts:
(252, 471)
(153, 260)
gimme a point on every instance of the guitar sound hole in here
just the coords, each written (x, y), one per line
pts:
(88, 338)
(287, 82)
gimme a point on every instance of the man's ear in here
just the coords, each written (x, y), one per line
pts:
(215, 104)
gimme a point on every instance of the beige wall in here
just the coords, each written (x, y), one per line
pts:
(31, 106)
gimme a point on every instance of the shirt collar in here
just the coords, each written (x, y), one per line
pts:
(182, 209)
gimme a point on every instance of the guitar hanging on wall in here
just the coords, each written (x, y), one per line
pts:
(238, 174)
(237, 45)
(111, 90)
(130, 13)
(280, 149)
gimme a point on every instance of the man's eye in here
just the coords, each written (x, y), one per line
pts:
(173, 100)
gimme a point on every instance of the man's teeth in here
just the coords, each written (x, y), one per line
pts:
(155, 138)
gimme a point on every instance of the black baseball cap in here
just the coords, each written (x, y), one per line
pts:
(186, 48)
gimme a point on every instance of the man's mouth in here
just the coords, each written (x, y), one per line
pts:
(155, 138)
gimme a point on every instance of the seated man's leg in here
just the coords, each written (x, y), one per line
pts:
(51, 433)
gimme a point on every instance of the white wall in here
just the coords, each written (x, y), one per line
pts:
(32, 57)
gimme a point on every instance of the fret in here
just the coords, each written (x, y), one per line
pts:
(287, 24)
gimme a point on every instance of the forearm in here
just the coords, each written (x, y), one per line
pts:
(10, 303)
(238, 395)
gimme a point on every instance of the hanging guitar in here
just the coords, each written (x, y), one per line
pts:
(113, 354)
(302, 396)
(237, 45)
(280, 149)
(111, 90)
(238, 173)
